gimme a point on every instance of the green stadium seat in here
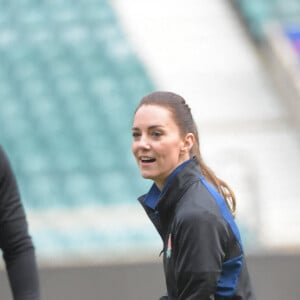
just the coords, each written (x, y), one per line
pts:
(258, 13)
(69, 82)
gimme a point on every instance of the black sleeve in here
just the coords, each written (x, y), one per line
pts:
(199, 250)
(15, 241)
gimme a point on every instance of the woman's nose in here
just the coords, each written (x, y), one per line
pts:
(144, 142)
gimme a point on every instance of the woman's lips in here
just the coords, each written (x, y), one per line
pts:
(146, 160)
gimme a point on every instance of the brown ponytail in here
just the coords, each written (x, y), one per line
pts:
(221, 186)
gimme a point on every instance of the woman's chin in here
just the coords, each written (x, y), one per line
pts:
(147, 176)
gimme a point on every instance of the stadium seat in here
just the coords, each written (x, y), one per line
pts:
(69, 82)
(258, 13)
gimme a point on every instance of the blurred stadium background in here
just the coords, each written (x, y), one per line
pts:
(71, 75)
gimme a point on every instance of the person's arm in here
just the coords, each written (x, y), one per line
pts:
(15, 241)
(198, 248)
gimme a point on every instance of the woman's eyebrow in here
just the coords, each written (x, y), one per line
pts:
(155, 126)
(150, 127)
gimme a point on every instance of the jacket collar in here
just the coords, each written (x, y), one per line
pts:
(176, 188)
(151, 199)
(162, 213)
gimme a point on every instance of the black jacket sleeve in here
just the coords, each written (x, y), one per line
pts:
(199, 251)
(15, 241)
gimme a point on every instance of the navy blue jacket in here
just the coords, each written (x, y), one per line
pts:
(203, 255)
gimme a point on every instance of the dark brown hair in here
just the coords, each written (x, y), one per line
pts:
(183, 118)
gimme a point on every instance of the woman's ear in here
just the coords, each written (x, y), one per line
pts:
(188, 143)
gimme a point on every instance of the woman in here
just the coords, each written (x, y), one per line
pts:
(15, 242)
(189, 205)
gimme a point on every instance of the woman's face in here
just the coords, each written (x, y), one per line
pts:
(157, 144)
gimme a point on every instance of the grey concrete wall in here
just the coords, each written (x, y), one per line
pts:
(274, 277)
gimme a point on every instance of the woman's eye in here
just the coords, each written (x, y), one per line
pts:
(135, 134)
(157, 134)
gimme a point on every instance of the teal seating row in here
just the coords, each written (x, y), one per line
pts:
(257, 13)
(67, 190)
(69, 83)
